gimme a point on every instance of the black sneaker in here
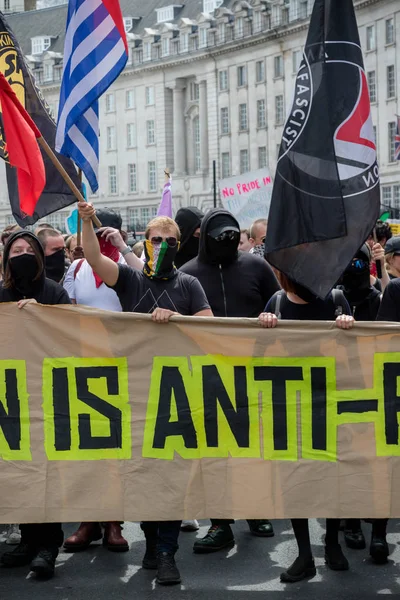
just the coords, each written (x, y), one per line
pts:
(261, 527)
(168, 573)
(217, 538)
(150, 558)
(20, 556)
(379, 550)
(302, 568)
(44, 563)
(335, 559)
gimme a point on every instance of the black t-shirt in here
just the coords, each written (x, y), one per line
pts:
(318, 310)
(138, 293)
(390, 305)
(240, 289)
(49, 293)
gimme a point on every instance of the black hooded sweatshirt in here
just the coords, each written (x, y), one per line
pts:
(240, 287)
(44, 291)
(188, 220)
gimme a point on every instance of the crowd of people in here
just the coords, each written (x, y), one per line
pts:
(195, 265)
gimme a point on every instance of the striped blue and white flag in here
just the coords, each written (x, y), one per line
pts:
(95, 53)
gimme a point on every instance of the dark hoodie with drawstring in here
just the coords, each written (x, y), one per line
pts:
(44, 291)
(241, 286)
(188, 220)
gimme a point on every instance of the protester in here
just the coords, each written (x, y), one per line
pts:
(392, 257)
(390, 305)
(25, 281)
(138, 249)
(158, 288)
(236, 285)
(10, 229)
(296, 302)
(258, 232)
(244, 243)
(70, 244)
(382, 232)
(189, 220)
(54, 250)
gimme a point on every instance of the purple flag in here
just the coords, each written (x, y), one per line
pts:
(165, 208)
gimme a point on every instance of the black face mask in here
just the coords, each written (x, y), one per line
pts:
(356, 280)
(304, 293)
(55, 266)
(24, 269)
(224, 251)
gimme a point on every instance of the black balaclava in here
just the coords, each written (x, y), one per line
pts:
(28, 282)
(55, 266)
(356, 278)
(215, 223)
(188, 220)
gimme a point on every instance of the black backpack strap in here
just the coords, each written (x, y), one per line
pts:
(337, 296)
(276, 308)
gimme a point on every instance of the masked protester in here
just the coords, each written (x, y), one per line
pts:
(237, 284)
(188, 220)
(54, 251)
(158, 288)
(295, 302)
(24, 281)
(392, 257)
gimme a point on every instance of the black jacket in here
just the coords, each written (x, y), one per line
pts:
(241, 288)
(46, 291)
(188, 219)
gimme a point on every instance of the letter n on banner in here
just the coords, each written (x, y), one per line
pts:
(14, 411)
(87, 415)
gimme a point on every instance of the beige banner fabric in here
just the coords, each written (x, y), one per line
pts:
(107, 416)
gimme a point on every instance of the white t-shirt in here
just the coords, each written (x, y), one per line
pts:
(83, 288)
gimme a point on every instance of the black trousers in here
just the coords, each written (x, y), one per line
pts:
(42, 535)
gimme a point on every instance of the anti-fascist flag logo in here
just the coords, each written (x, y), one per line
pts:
(326, 195)
(56, 194)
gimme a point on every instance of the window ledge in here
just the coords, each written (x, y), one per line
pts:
(390, 44)
(277, 77)
(370, 51)
(228, 134)
(261, 127)
(391, 99)
(242, 87)
(244, 130)
(262, 82)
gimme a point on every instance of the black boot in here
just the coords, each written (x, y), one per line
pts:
(168, 573)
(302, 568)
(45, 561)
(353, 535)
(261, 527)
(150, 558)
(217, 538)
(379, 550)
(20, 556)
(335, 559)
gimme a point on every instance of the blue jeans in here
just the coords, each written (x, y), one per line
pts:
(165, 532)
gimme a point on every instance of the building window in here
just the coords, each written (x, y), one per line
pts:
(110, 103)
(260, 71)
(303, 9)
(262, 157)
(152, 176)
(242, 117)
(239, 27)
(387, 195)
(210, 5)
(225, 165)
(40, 44)
(371, 77)
(389, 29)
(151, 134)
(131, 135)
(6, 4)
(112, 180)
(261, 114)
(390, 82)
(184, 42)
(203, 37)
(130, 99)
(147, 46)
(297, 56)
(396, 197)
(391, 141)
(370, 37)
(241, 76)
(257, 21)
(111, 138)
(224, 121)
(244, 161)
(133, 218)
(197, 144)
(285, 15)
(165, 14)
(194, 92)
(154, 211)
(221, 33)
(132, 179)
(279, 112)
(223, 81)
(175, 47)
(165, 46)
(278, 66)
(47, 72)
(144, 216)
(149, 93)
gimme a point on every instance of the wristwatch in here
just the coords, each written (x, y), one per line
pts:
(126, 251)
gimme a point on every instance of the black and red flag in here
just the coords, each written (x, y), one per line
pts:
(56, 194)
(326, 195)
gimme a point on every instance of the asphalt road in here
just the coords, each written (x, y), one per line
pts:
(249, 571)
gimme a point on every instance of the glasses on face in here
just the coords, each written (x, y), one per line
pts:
(171, 241)
(226, 235)
(359, 264)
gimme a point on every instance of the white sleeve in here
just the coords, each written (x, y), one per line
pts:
(69, 280)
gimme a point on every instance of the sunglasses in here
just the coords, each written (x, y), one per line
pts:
(171, 241)
(226, 235)
(360, 264)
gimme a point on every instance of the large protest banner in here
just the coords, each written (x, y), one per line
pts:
(247, 196)
(107, 416)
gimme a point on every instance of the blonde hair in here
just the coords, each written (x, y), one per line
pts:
(163, 223)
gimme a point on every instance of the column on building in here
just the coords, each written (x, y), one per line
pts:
(203, 113)
(179, 128)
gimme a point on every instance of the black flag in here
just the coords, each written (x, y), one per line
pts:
(56, 194)
(326, 196)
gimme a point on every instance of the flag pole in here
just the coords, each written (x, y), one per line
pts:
(64, 175)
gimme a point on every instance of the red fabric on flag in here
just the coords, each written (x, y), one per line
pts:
(23, 150)
(114, 9)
